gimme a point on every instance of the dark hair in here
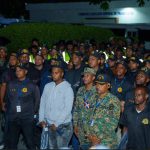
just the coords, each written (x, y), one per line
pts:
(142, 87)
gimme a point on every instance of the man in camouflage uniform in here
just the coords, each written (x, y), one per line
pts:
(106, 113)
(84, 103)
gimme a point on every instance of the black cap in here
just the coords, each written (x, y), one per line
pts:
(102, 55)
(78, 53)
(95, 54)
(22, 66)
(39, 54)
(134, 59)
(145, 71)
(58, 64)
(102, 79)
(122, 62)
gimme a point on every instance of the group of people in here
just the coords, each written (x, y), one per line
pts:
(80, 94)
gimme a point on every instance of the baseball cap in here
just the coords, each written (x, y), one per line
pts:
(22, 66)
(95, 54)
(24, 51)
(39, 54)
(134, 59)
(78, 53)
(102, 55)
(58, 64)
(144, 70)
(122, 62)
(112, 57)
(14, 54)
(89, 70)
(102, 79)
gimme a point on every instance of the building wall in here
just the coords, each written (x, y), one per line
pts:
(120, 12)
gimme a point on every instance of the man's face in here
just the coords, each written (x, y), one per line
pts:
(24, 58)
(93, 61)
(20, 73)
(76, 60)
(133, 65)
(39, 60)
(102, 88)
(13, 61)
(120, 70)
(88, 78)
(44, 51)
(102, 61)
(140, 96)
(57, 74)
(70, 47)
(129, 52)
(141, 79)
(111, 63)
(3, 54)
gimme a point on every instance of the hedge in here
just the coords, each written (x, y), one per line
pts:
(21, 35)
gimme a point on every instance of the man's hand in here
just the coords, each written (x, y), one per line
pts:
(122, 103)
(94, 139)
(76, 131)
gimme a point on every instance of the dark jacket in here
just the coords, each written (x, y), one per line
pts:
(24, 94)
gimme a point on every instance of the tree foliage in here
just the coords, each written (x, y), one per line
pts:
(104, 4)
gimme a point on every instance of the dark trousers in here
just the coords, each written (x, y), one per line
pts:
(26, 127)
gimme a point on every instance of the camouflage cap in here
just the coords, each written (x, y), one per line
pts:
(89, 70)
(102, 79)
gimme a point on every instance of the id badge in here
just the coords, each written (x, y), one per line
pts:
(18, 108)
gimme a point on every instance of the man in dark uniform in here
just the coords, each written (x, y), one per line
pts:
(136, 120)
(74, 76)
(120, 84)
(7, 76)
(133, 64)
(33, 74)
(111, 66)
(142, 79)
(22, 103)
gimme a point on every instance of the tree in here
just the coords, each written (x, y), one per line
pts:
(104, 4)
(12, 8)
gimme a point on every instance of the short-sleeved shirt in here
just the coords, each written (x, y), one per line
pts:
(138, 125)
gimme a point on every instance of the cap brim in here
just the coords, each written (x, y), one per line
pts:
(100, 82)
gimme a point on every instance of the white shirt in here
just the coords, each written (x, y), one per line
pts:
(56, 103)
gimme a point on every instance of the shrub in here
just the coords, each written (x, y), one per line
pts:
(21, 35)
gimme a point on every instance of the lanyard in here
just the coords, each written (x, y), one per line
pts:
(86, 96)
(119, 84)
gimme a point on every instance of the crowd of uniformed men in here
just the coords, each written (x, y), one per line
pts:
(81, 93)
